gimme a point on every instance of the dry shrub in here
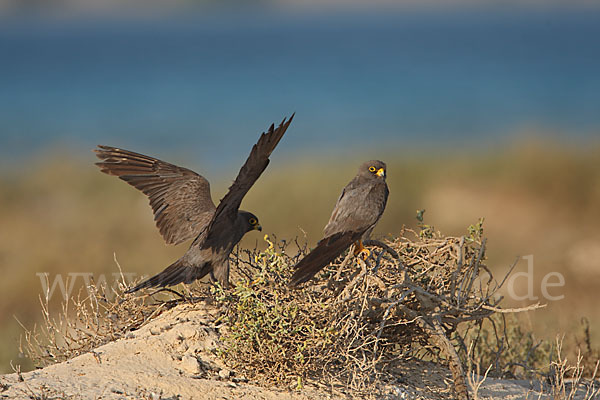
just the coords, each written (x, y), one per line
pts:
(589, 354)
(357, 319)
(501, 343)
(567, 379)
(97, 315)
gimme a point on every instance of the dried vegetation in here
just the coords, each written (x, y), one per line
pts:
(419, 296)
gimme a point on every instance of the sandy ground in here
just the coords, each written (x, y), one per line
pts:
(172, 357)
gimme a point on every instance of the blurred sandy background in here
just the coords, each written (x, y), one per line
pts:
(479, 111)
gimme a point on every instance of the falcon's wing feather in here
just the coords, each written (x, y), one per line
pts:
(344, 216)
(252, 169)
(326, 251)
(339, 209)
(179, 197)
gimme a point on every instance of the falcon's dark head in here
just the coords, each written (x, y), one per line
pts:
(249, 221)
(373, 169)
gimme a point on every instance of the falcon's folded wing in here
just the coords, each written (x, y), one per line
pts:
(326, 251)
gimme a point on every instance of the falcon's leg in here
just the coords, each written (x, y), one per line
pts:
(359, 249)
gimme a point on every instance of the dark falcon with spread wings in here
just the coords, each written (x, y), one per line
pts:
(355, 214)
(183, 207)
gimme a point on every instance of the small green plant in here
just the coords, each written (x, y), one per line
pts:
(476, 230)
(426, 231)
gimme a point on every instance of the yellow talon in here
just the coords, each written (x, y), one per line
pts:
(360, 250)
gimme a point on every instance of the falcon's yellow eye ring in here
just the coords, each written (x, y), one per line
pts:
(252, 221)
(372, 169)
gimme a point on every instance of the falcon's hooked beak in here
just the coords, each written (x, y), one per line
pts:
(381, 172)
(257, 227)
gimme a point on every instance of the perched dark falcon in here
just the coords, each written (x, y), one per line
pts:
(183, 207)
(355, 214)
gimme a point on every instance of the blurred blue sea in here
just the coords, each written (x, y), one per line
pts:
(206, 85)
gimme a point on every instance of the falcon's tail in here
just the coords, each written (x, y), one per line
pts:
(178, 272)
(326, 251)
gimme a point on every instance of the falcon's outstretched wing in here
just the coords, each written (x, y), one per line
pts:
(179, 197)
(251, 170)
